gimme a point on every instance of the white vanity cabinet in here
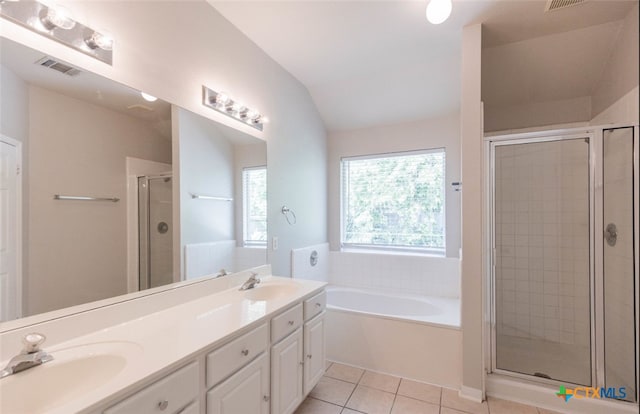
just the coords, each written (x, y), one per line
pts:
(287, 359)
(175, 393)
(246, 391)
(266, 370)
(314, 340)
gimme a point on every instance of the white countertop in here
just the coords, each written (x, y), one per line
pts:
(164, 339)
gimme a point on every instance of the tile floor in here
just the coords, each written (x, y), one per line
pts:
(349, 390)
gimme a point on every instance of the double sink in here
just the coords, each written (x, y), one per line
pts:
(80, 369)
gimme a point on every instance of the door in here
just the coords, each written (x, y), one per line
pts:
(155, 204)
(286, 374)
(247, 391)
(314, 352)
(10, 204)
(618, 262)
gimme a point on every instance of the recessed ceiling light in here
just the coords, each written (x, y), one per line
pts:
(438, 11)
(147, 97)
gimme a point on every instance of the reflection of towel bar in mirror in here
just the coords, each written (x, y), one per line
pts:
(206, 197)
(83, 198)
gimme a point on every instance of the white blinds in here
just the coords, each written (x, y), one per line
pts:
(254, 195)
(394, 200)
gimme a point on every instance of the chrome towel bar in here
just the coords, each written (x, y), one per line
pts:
(83, 198)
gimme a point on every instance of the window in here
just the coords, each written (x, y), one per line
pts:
(254, 209)
(395, 201)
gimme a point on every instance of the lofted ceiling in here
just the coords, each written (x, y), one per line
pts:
(369, 63)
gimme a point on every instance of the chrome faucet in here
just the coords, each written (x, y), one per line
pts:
(30, 356)
(251, 282)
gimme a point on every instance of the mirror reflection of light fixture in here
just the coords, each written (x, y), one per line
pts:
(56, 16)
(221, 102)
(56, 23)
(147, 97)
(438, 11)
(99, 40)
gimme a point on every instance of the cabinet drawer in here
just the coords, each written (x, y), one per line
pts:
(315, 305)
(236, 354)
(193, 408)
(168, 395)
(285, 323)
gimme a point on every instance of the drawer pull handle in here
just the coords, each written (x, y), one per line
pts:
(245, 352)
(301, 362)
(266, 398)
(318, 304)
(290, 322)
(162, 405)
(309, 356)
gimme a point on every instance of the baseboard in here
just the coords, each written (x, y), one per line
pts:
(472, 394)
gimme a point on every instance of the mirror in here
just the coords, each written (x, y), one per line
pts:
(104, 193)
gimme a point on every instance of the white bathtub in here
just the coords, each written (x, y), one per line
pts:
(409, 336)
(432, 310)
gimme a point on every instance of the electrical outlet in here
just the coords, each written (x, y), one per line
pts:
(274, 243)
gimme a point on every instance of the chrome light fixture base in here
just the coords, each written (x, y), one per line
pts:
(54, 24)
(222, 103)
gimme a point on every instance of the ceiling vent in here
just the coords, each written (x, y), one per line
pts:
(561, 4)
(51, 63)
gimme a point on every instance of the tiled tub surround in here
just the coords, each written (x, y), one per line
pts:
(169, 336)
(394, 339)
(396, 273)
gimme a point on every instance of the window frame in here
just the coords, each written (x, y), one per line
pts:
(390, 249)
(245, 210)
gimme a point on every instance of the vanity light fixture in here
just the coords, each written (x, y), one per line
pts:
(438, 11)
(58, 24)
(222, 102)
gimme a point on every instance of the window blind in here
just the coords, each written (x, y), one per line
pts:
(394, 201)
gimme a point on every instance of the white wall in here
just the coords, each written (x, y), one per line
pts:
(620, 76)
(472, 278)
(441, 132)
(170, 49)
(77, 250)
(205, 161)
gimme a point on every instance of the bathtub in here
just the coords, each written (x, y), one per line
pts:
(411, 336)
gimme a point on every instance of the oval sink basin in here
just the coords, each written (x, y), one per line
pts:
(270, 291)
(72, 373)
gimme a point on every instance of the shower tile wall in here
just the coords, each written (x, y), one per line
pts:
(542, 242)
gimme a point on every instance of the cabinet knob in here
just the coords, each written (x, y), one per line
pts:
(309, 356)
(162, 405)
(266, 398)
(301, 362)
(318, 304)
(290, 322)
(245, 352)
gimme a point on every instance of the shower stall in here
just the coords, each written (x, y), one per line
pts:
(564, 265)
(155, 232)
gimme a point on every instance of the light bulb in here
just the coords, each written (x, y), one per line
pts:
(222, 98)
(148, 98)
(100, 40)
(57, 17)
(438, 11)
(252, 114)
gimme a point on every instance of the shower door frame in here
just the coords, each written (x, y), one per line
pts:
(143, 248)
(596, 277)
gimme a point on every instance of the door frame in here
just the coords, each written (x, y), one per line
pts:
(19, 225)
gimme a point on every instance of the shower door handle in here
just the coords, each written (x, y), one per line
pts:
(611, 234)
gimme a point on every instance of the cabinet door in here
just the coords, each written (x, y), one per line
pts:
(286, 374)
(247, 391)
(314, 352)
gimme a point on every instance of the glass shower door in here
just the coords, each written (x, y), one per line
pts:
(542, 271)
(618, 262)
(155, 208)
